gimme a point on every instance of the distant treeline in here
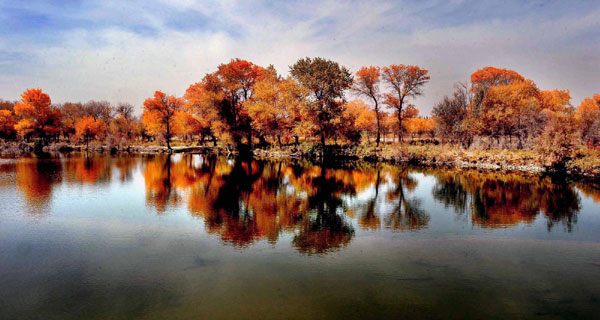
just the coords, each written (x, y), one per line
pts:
(243, 103)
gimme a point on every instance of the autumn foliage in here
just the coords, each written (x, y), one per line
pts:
(89, 128)
(243, 105)
(159, 115)
(37, 115)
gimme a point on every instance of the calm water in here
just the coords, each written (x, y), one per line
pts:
(154, 237)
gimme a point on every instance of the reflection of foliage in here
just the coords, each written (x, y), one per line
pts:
(244, 201)
(326, 230)
(451, 194)
(88, 169)
(500, 200)
(590, 190)
(406, 213)
(159, 183)
(35, 179)
(125, 166)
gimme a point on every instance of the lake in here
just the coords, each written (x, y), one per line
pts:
(191, 236)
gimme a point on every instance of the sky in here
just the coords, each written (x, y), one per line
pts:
(122, 51)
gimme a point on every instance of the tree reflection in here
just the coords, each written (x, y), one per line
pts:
(88, 169)
(319, 207)
(590, 190)
(501, 200)
(36, 178)
(325, 228)
(126, 165)
(160, 191)
(406, 213)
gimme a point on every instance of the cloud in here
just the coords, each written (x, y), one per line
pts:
(123, 51)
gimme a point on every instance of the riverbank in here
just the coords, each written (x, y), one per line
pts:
(585, 163)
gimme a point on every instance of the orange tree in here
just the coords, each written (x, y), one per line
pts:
(38, 116)
(358, 119)
(7, 123)
(366, 83)
(159, 115)
(223, 94)
(89, 128)
(276, 109)
(483, 79)
(406, 82)
(588, 119)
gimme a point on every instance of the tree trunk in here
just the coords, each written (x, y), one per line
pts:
(322, 144)
(400, 124)
(378, 121)
(168, 137)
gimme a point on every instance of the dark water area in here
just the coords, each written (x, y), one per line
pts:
(190, 236)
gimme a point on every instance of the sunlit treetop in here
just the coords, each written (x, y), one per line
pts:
(491, 76)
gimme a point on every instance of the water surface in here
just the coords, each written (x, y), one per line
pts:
(189, 236)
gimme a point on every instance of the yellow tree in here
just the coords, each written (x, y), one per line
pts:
(406, 82)
(7, 123)
(159, 115)
(71, 112)
(507, 109)
(485, 78)
(89, 128)
(123, 125)
(588, 119)
(358, 117)
(38, 116)
(202, 101)
(366, 83)
(275, 108)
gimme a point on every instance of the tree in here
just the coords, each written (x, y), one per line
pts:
(406, 82)
(508, 109)
(237, 79)
(275, 108)
(7, 105)
(451, 111)
(89, 128)
(203, 101)
(71, 112)
(559, 139)
(124, 110)
(358, 118)
(587, 116)
(222, 95)
(38, 116)
(7, 124)
(483, 79)
(326, 81)
(367, 83)
(123, 125)
(187, 124)
(490, 76)
(99, 110)
(159, 115)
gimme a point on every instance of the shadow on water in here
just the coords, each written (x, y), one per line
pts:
(500, 200)
(245, 200)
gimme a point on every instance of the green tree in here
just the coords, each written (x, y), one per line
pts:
(326, 80)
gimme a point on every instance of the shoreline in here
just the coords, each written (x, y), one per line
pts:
(15, 150)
